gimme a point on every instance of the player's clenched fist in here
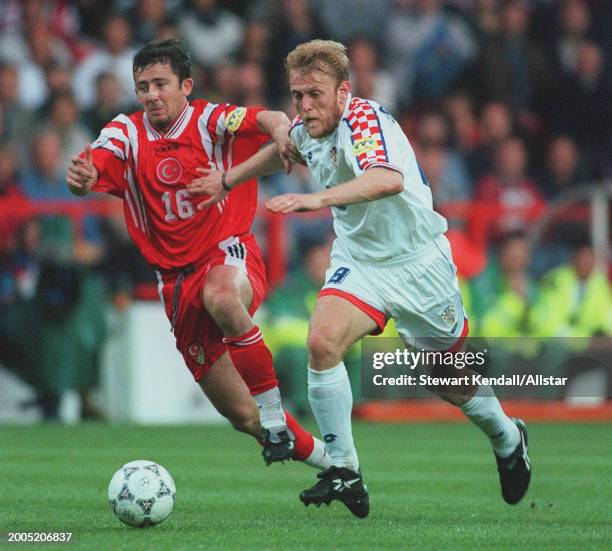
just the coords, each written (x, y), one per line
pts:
(82, 173)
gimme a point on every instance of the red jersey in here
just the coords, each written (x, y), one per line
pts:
(149, 171)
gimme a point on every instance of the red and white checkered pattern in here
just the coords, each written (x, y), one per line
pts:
(364, 123)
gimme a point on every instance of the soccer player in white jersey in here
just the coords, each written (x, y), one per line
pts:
(390, 259)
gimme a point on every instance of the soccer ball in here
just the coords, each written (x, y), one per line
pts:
(141, 493)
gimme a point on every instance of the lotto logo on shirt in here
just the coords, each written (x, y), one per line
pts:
(363, 145)
(169, 171)
(235, 118)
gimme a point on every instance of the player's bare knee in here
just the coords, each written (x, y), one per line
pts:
(323, 350)
(220, 300)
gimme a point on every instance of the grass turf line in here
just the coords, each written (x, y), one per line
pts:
(432, 486)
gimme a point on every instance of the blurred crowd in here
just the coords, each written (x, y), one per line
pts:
(507, 103)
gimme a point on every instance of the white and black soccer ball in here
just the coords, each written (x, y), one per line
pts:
(142, 493)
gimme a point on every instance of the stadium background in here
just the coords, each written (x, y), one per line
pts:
(507, 104)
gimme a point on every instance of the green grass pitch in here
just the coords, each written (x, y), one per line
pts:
(432, 486)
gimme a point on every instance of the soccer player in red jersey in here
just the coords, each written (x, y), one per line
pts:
(209, 267)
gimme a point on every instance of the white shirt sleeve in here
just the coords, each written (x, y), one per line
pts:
(297, 132)
(368, 138)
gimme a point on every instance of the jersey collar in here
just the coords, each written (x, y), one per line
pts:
(347, 106)
(175, 130)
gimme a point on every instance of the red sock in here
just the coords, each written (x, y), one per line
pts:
(253, 360)
(304, 441)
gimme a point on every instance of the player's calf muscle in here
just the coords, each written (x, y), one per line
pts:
(324, 349)
(454, 394)
(242, 416)
(247, 422)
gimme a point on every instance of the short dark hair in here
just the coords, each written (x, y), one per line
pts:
(171, 51)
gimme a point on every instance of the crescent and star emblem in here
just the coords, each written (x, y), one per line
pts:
(169, 170)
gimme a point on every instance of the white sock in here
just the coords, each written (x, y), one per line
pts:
(331, 401)
(271, 414)
(485, 411)
(318, 458)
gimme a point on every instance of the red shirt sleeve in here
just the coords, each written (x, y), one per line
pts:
(111, 173)
(242, 121)
(110, 153)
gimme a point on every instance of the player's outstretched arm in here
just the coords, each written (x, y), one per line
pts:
(217, 184)
(375, 183)
(277, 124)
(82, 174)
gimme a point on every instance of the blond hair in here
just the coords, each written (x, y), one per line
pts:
(326, 56)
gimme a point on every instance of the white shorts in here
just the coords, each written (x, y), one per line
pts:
(421, 294)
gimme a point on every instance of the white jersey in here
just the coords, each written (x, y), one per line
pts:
(395, 228)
